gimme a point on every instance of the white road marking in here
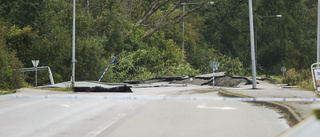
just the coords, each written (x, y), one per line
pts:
(66, 104)
(220, 108)
(161, 95)
(106, 125)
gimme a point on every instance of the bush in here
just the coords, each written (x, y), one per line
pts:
(227, 64)
(10, 76)
(146, 64)
(301, 78)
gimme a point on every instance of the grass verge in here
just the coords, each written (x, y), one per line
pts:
(60, 89)
(4, 92)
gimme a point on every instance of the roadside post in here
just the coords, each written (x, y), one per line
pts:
(111, 61)
(214, 65)
(35, 65)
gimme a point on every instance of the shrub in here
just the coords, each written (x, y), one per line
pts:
(146, 64)
(10, 77)
(301, 78)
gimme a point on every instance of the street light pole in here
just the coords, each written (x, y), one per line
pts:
(253, 61)
(318, 34)
(184, 5)
(73, 45)
(184, 8)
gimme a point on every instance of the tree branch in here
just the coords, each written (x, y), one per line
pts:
(164, 20)
(152, 9)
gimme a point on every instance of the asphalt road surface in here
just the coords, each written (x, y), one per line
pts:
(39, 117)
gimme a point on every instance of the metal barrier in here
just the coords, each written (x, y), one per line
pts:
(40, 68)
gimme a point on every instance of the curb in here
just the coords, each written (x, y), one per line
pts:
(293, 117)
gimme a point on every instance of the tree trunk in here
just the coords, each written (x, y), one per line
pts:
(149, 33)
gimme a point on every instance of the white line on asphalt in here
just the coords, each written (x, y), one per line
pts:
(66, 104)
(220, 108)
(107, 125)
(161, 95)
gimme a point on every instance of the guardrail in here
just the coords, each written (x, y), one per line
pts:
(40, 68)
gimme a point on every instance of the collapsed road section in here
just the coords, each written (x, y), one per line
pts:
(221, 80)
(95, 86)
(91, 86)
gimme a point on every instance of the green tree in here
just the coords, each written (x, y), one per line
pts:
(22, 12)
(10, 75)
(288, 41)
(22, 41)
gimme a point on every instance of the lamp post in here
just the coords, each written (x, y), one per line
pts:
(253, 61)
(184, 5)
(318, 35)
(256, 37)
(73, 45)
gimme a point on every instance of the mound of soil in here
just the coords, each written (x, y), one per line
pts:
(228, 81)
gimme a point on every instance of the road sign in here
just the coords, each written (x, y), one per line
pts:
(35, 63)
(317, 76)
(214, 64)
(112, 59)
(283, 69)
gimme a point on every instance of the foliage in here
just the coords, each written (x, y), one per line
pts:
(288, 41)
(202, 59)
(21, 13)
(22, 42)
(10, 77)
(301, 78)
(145, 64)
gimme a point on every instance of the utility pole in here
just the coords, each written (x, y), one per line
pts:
(184, 5)
(73, 45)
(252, 46)
(318, 34)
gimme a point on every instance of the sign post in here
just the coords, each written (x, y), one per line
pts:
(35, 65)
(214, 65)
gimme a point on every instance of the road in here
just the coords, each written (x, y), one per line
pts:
(40, 117)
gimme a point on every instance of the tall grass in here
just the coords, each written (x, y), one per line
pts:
(301, 78)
